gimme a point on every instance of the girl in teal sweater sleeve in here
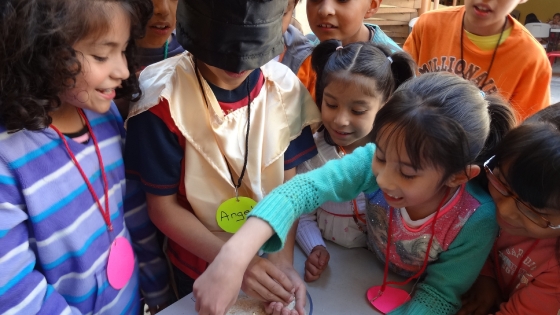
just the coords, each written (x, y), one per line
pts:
(430, 139)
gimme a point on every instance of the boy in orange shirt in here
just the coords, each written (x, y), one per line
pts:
(482, 43)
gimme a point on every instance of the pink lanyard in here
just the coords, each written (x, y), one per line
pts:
(104, 212)
(514, 276)
(424, 264)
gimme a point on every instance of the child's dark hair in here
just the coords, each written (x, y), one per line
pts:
(356, 62)
(556, 14)
(532, 154)
(444, 121)
(37, 61)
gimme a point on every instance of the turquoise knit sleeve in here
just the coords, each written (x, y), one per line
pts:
(458, 267)
(338, 180)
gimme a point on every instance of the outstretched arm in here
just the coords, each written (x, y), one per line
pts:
(339, 180)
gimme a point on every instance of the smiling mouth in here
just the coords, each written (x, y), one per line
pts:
(106, 91)
(160, 27)
(482, 9)
(327, 26)
(391, 197)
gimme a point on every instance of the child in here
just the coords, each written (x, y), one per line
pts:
(343, 21)
(429, 138)
(521, 274)
(160, 41)
(222, 126)
(555, 22)
(296, 46)
(358, 80)
(482, 43)
(66, 223)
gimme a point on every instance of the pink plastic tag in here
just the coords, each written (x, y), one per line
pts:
(389, 300)
(120, 265)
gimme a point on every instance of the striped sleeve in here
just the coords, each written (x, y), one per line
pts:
(23, 288)
(154, 282)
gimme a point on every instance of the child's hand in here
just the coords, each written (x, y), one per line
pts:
(216, 290)
(277, 308)
(266, 282)
(482, 298)
(316, 263)
(299, 290)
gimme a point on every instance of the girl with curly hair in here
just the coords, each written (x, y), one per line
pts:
(68, 215)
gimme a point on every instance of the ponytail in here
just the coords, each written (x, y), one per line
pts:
(319, 57)
(377, 62)
(502, 120)
(402, 67)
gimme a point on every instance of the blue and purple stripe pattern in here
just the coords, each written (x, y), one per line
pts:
(54, 242)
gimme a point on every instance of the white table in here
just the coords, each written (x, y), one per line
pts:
(340, 290)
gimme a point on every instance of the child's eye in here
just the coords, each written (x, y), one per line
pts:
(359, 112)
(407, 176)
(100, 59)
(379, 159)
(330, 105)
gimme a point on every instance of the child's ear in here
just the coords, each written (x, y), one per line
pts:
(373, 7)
(459, 178)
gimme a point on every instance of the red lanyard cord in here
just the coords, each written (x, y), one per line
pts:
(514, 276)
(357, 215)
(388, 251)
(104, 212)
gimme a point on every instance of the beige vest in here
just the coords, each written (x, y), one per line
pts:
(278, 114)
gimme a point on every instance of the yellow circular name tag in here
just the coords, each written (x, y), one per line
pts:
(233, 212)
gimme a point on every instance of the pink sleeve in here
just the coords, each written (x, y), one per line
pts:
(541, 296)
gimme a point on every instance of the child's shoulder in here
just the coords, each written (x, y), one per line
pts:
(278, 73)
(521, 40)
(436, 18)
(294, 38)
(476, 190)
(486, 206)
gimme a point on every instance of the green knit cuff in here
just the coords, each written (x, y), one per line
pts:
(273, 210)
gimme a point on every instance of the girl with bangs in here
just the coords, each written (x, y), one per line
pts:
(522, 272)
(68, 215)
(425, 219)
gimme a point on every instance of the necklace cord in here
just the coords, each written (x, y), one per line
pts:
(246, 158)
(516, 272)
(388, 251)
(104, 212)
(493, 54)
(165, 50)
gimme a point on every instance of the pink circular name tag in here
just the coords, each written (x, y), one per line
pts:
(389, 300)
(120, 264)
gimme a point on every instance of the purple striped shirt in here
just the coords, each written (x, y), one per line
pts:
(54, 242)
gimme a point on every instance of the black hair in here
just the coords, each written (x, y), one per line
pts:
(556, 14)
(444, 121)
(532, 154)
(387, 70)
(532, 18)
(37, 61)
